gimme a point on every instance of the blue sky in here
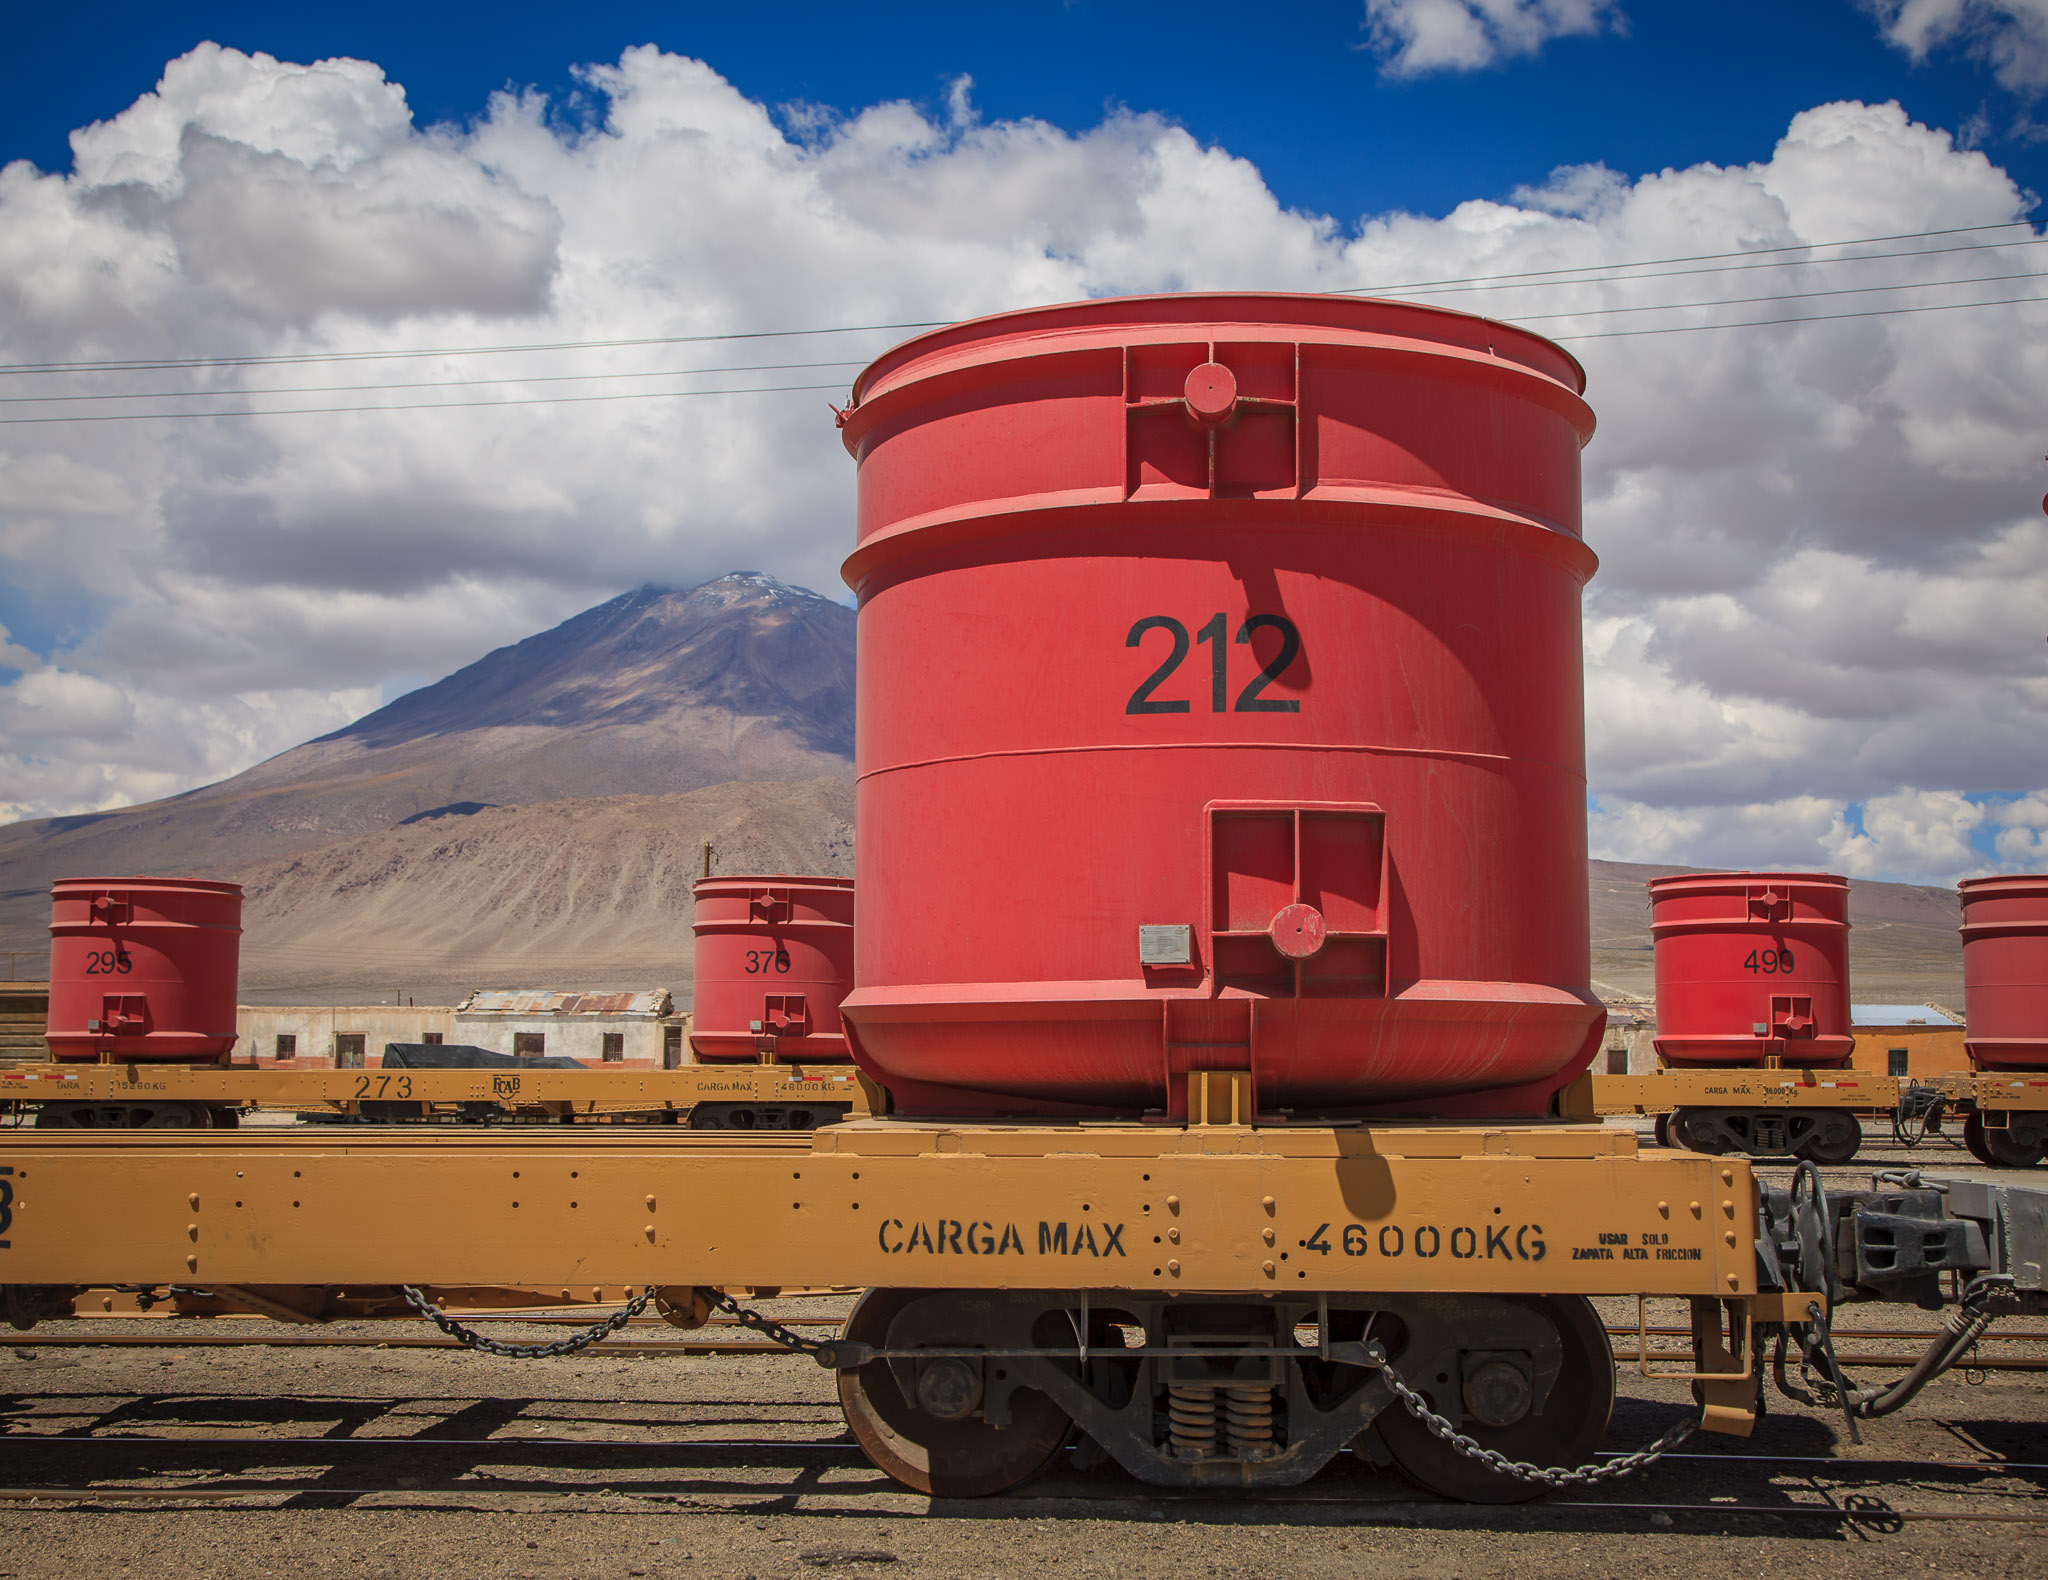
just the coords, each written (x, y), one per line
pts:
(1816, 637)
(1294, 88)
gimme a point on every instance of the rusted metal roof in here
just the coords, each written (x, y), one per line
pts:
(549, 1001)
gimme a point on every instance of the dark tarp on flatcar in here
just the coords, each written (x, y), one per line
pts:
(462, 1056)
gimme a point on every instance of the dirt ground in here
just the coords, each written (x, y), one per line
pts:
(403, 1462)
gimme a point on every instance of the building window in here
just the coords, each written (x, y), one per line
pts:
(529, 1044)
(350, 1049)
(432, 1039)
(671, 1047)
(287, 1045)
(1895, 1061)
(1617, 1061)
(614, 1046)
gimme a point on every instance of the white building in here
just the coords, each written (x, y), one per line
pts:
(593, 1028)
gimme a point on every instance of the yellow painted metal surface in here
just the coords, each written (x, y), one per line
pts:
(880, 1202)
(1594, 1094)
(2017, 1089)
(575, 1091)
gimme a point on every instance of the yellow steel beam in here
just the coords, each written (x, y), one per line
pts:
(583, 1091)
(1595, 1094)
(2016, 1089)
(880, 1202)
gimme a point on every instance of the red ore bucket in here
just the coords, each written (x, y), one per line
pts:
(2005, 971)
(1220, 707)
(1752, 969)
(774, 958)
(144, 968)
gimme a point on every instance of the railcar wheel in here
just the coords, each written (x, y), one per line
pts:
(963, 1458)
(2012, 1148)
(1573, 1421)
(124, 1116)
(1973, 1139)
(1839, 1137)
(1696, 1135)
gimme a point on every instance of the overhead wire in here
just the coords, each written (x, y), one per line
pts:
(1722, 268)
(1696, 257)
(159, 364)
(1596, 273)
(1799, 318)
(449, 405)
(1581, 275)
(1783, 296)
(780, 389)
(427, 384)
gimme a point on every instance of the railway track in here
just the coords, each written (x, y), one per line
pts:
(1986, 1487)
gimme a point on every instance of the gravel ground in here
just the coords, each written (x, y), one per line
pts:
(740, 1466)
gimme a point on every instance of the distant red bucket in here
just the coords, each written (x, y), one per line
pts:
(144, 968)
(774, 959)
(1752, 968)
(2005, 971)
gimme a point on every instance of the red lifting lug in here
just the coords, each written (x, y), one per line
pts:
(1298, 931)
(840, 413)
(1211, 394)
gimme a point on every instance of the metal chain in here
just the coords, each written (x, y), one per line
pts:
(766, 1326)
(1522, 1470)
(146, 1294)
(569, 1346)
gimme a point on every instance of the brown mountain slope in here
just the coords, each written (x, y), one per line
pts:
(1903, 944)
(596, 894)
(590, 893)
(741, 679)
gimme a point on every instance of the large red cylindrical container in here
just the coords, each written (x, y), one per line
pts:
(1752, 968)
(1220, 707)
(774, 958)
(144, 968)
(2005, 971)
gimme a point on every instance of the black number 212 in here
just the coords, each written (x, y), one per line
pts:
(1250, 700)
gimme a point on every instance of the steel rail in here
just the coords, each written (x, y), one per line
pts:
(836, 1444)
(1518, 1512)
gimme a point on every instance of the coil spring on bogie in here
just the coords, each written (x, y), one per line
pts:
(1246, 1411)
(1248, 1419)
(1191, 1420)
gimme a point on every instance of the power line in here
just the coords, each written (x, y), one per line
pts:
(1697, 257)
(1786, 296)
(1807, 318)
(557, 400)
(448, 405)
(1595, 274)
(423, 384)
(564, 378)
(140, 365)
(762, 367)
(1725, 268)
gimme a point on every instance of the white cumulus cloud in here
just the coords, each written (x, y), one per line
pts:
(2011, 36)
(1823, 560)
(1417, 37)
